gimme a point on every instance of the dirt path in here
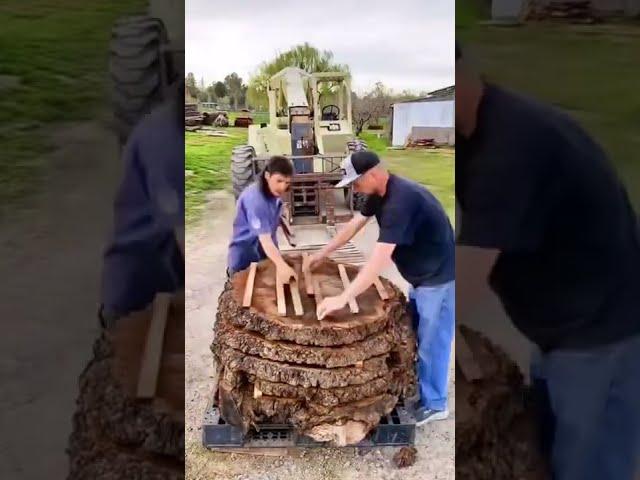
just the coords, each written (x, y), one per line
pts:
(206, 250)
(50, 262)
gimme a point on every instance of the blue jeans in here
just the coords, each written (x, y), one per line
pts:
(593, 398)
(433, 312)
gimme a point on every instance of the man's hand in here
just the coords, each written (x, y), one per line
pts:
(330, 305)
(284, 272)
(312, 261)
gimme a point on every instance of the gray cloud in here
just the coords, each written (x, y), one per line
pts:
(404, 44)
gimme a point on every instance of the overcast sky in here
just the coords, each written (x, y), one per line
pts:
(402, 43)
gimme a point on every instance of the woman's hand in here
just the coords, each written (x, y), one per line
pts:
(313, 261)
(284, 272)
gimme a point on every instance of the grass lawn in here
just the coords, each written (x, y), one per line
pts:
(53, 64)
(589, 71)
(435, 169)
(208, 167)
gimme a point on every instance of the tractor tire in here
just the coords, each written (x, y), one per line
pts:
(357, 145)
(359, 199)
(242, 171)
(140, 68)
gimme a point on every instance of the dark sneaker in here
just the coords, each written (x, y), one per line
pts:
(424, 415)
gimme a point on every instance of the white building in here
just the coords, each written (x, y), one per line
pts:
(429, 117)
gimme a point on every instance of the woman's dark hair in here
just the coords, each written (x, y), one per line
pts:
(276, 164)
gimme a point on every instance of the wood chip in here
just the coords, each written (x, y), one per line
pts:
(248, 289)
(148, 378)
(353, 305)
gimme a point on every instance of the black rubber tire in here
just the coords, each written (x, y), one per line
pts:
(357, 145)
(242, 169)
(140, 68)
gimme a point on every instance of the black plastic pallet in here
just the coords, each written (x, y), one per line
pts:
(395, 429)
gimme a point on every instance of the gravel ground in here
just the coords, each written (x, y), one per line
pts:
(206, 247)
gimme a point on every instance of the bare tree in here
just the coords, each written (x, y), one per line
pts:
(371, 107)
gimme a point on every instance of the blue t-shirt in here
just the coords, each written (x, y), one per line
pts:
(143, 256)
(255, 215)
(410, 217)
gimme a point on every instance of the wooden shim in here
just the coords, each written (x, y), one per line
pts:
(316, 290)
(282, 305)
(295, 297)
(248, 289)
(466, 360)
(150, 367)
(381, 290)
(257, 393)
(308, 277)
(353, 305)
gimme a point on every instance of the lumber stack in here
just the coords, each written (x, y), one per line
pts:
(496, 435)
(576, 11)
(331, 379)
(129, 420)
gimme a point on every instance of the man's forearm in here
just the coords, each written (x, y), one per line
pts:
(380, 258)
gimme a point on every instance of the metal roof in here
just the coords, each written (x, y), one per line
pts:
(446, 93)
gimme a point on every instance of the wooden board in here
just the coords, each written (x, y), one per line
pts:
(295, 297)
(353, 305)
(282, 305)
(308, 276)
(381, 290)
(263, 451)
(248, 289)
(148, 378)
(466, 360)
(316, 291)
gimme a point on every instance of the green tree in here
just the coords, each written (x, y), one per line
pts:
(234, 86)
(303, 56)
(220, 89)
(211, 92)
(190, 84)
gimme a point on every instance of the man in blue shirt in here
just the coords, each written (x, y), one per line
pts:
(257, 220)
(145, 254)
(415, 233)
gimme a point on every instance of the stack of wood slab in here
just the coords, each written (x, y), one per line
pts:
(576, 11)
(129, 421)
(192, 117)
(331, 379)
(496, 435)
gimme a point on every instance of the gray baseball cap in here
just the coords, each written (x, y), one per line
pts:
(356, 165)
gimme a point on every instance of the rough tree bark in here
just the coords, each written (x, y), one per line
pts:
(496, 437)
(115, 435)
(331, 379)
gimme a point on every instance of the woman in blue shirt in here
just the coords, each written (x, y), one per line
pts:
(257, 220)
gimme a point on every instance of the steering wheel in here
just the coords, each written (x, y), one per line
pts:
(330, 112)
